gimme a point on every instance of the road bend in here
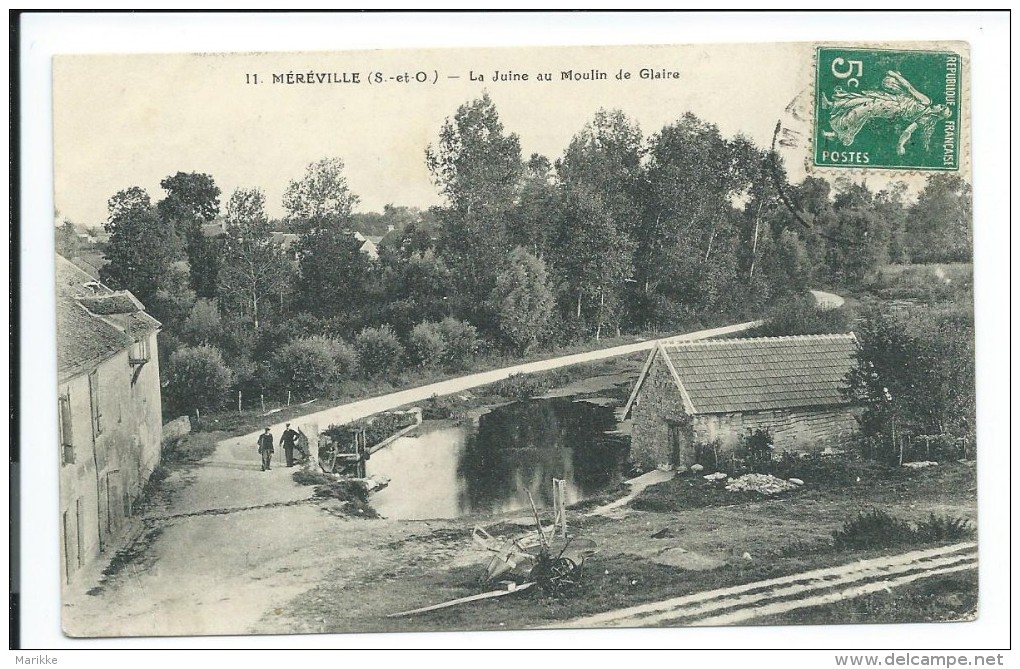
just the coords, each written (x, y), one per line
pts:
(738, 604)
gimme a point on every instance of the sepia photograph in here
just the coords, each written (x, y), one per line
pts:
(490, 339)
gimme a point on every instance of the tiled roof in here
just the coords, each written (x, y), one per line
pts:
(732, 375)
(84, 337)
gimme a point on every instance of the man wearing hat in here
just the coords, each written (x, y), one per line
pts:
(266, 449)
(288, 441)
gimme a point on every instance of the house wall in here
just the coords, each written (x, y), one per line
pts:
(657, 403)
(793, 430)
(109, 468)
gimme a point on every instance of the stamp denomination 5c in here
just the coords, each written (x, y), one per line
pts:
(888, 109)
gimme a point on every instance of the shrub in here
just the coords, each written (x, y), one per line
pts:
(441, 408)
(461, 342)
(202, 325)
(799, 315)
(426, 345)
(872, 529)
(379, 350)
(518, 387)
(197, 378)
(943, 528)
(759, 449)
(308, 364)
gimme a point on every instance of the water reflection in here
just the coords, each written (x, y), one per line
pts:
(487, 469)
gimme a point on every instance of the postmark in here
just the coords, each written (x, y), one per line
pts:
(894, 109)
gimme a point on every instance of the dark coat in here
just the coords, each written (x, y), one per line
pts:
(266, 443)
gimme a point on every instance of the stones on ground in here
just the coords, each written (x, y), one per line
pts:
(796, 481)
(664, 533)
(920, 465)
(697, 469)
(718, 476)
(763, 483)
(746, 556)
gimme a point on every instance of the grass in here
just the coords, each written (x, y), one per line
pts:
(191, 448)
(351, 493)
(944, 598)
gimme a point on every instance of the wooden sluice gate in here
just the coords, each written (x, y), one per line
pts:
(348, 458)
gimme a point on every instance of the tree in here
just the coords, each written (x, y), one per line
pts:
(425, 345)
(379, 350)
(67, 242)
(594, 258)
(915, 375)
(254, 269)
(311, 364)
(461, 341)
(193, 199)
(476, 165)
(522, 301)
(142, 246)
(202, 325)
(197, 378)
(336, 278)
(939, 227)
(321, 199)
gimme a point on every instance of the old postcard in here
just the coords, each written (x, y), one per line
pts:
(496, 339)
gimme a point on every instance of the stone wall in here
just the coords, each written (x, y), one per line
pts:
(793, 430)
(659, 406)
(657, 403)
(176, 430)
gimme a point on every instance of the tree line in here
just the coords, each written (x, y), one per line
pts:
(621, 233)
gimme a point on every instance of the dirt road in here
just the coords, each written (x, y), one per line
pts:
(738, 604)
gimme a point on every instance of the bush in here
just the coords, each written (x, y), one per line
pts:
(202, 325)
(461, 342)
(518, 387)
(800, 316)
(872, 529)
(197, 378)
(937, 529)
(379, 350)
(759, 450)
(426, 345)
(441, 408)
(308, 364)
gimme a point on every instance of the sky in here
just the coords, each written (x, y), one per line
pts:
(122, 121)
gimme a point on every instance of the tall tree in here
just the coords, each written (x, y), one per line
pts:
(321, 199)
(142, 246)
(477, 166)
(254, 270)
(67, 242)
(192, 200)
(688, 240)
(594, 260)
(940, 225)
(336, 278)
(522, 301)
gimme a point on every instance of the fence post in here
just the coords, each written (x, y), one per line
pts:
(238, 401)
(288, 398)
(262, 399)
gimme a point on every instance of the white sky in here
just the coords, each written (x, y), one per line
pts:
(132, 120)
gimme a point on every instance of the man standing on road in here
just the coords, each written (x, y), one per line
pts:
(266, 449)
(288, 441)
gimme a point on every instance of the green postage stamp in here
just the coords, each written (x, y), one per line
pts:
(881, 108)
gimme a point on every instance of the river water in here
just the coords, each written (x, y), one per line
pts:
(489, 467)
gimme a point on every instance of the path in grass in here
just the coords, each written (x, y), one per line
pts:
(738, 604)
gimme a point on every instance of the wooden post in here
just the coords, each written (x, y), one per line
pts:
(238, 401)
(288, 398)
(198, 416)
(262, 399)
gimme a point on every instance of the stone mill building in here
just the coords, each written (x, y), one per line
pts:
(693, 395)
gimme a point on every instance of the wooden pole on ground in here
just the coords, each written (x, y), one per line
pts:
(238, 401)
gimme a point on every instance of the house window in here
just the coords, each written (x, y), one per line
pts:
(94, 401)
(139, 352)
(66, 433)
